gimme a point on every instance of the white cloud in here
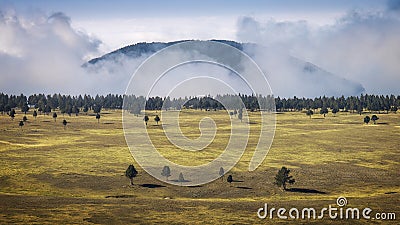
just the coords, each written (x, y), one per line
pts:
(117, 33)
(360, 46)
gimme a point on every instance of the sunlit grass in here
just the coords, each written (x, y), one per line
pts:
(87, 160)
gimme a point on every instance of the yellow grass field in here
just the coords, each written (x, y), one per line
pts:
(52, 175)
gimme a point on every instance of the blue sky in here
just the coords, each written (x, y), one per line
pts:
(354, 39)
(127, 8)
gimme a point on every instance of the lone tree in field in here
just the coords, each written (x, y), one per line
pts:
(309, 113)
(55, 117)
(24, 119)
(166, 172)
(157, 119)
(240, 115)
(374, 118)
(221, 173)
(12, 114)
(21, 124)
(146, 119)
(131, 173)
(181, 178)
(367, 119)
(65, 123)
(34, 114)
(98, 117)
(283, 177)
(229, 179)
(324, 111)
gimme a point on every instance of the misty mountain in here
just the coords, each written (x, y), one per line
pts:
(287, 75)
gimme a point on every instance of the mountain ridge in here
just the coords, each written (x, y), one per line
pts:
(305, 73)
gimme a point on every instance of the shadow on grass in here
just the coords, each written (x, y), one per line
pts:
(184, 181)
(245, 188)
(305, 190)
(197, 186)
(152, 185)
(251, 122)
(237, 181)
(120, 196)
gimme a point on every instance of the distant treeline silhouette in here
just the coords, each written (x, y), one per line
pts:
(73, 104)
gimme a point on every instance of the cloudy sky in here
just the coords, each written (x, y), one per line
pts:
(43, 43)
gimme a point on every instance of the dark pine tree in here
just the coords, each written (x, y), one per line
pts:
(374, 118)
(55, 116)
(98, 117)
(157, 119)
(131, 173)
(283, 177)
(166, 172)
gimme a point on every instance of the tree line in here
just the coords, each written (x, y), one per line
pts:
(74, 104)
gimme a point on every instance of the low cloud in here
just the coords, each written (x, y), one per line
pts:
(361, 47)
(40, 53)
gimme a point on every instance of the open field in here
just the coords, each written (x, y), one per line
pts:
(49, 174)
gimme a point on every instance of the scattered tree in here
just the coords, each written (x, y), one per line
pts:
(283, 177)
(21, 124)
(367, 119)
(324, 111)
(240, 115)
(309, 113)
(55, 116)
(221, 173)
(12, 114)
(65, 123)
(181, 178)
(146, 119)
(34, 114)
(374, 118)
(24, 119)
(131, 173)
(98, 117)
(166, 172)
(157, 119)
(229, 179)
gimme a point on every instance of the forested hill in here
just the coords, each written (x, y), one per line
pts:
(278, 67)
(144, 48)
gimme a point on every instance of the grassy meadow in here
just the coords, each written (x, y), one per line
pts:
(75, 175)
